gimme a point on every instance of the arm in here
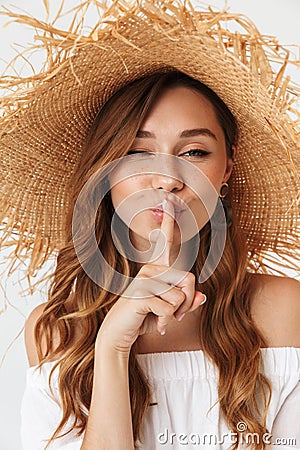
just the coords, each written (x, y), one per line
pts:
(112, 413)
(109, 425)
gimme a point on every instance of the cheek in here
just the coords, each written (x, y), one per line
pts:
(204, 197)
(215, 174)
(122, 190)
(117, 193)
(200, 214)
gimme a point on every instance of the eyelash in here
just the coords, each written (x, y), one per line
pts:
(135, 152)
(200, 153)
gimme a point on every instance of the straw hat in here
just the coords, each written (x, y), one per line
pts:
(46, 119)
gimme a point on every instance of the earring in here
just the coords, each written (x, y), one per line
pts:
(223, 191)
(226, 203)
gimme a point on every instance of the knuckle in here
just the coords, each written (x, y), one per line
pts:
(137, 293)
(165, 309)
(147, 270)
(169, 309)
(190, 277)
(181, 295)
(178, 297)
(142, 272)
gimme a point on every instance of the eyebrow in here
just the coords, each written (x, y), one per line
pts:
(184, 134)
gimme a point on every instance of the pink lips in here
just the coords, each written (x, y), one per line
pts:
(157, 211)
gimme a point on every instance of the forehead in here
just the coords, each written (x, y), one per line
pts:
(181, 107)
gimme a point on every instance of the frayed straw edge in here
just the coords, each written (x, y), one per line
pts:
(61, 44)
(263, 48)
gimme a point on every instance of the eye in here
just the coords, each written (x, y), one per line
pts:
(139, 152)
(195, 153)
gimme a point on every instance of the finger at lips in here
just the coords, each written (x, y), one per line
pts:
(190, 299)
(162, 251)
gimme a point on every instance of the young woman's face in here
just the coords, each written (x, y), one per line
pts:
(181, 123)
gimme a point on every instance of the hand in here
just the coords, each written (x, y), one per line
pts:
(156, 295)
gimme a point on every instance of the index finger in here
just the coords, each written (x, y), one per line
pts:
(162, 250)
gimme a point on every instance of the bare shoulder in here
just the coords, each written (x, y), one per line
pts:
(30, 324)
(29, 334)
(275, 309)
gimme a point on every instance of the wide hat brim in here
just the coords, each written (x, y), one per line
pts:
(43, 136)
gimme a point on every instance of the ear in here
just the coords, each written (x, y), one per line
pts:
(229, 165)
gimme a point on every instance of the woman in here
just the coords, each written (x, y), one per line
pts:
(182, 346)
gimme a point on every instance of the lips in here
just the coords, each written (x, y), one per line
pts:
(178, 210)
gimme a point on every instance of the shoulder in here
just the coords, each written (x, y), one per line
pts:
(29, 334)
(275, 309)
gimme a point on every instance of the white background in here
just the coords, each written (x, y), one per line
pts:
(275, 17)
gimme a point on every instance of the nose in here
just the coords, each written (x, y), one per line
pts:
(167, 173)
(166, 182)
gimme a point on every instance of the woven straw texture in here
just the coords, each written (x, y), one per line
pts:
(45, 120)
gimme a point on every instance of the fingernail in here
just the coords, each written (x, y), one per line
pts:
(179, 318)
(204, 300)
(164, 204)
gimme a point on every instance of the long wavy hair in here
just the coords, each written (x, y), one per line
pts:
(227, 334)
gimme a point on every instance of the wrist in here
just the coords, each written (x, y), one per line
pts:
(105, 349)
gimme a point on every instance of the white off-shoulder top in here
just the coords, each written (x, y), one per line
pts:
(187, 414)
